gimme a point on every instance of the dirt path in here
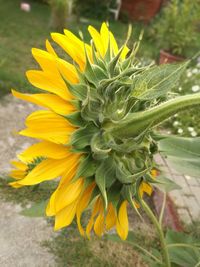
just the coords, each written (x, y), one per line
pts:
(20, 237)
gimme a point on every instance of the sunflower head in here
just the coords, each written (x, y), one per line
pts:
(100, 163)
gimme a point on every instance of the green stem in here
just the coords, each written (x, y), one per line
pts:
(160, 233)
(138, 122)
(163, 208)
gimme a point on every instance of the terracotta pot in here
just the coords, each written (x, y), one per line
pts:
(142, 10)
(166, 57)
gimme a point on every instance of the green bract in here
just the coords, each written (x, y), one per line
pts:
(120, 103)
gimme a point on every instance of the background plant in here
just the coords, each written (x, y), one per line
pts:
(175, 28)
(92, 8)
(187, 122)
(59, 14)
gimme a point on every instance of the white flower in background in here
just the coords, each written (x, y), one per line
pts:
(176, 115)
(180, 89)
(193, 134)
(176, 123)
(25, 7)
(195, 88)
(195, 71)
(189, 73)
(180, 131)
(190, 129)
(198, 65)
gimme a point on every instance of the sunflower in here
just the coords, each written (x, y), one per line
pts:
(84, 101)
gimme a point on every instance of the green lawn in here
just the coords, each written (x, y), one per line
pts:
(20, 31)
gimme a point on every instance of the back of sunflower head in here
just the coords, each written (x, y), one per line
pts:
(96, 134)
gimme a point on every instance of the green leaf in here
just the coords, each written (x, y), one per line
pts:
(183, 154)
(105, 177)
(165, 184)
(76, 119)
(36, 210)
(82, 137)
(101, 183)
(157, 81)
(182, 250)
(87, 167)
(78, 90)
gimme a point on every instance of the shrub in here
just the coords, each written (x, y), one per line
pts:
(92, 8)
(175, 28)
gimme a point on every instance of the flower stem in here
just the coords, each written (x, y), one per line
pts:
(159, 229)
(163, 208)
(138, 122)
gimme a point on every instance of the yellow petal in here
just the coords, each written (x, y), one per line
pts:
(82, 205)
(65, 216)
(113, 44)
(46, 170)
(47, 125)
(145, 188)
(68, 71)
(53, 102)
(45, 149)
(71, 47)
(122, 221)
(19, 165)
(17, 174)
(50, 82)
(50, 48)
(99, 225)
(65, 180)
(110, 217)
(79, 43)
(45, 60)
(97, 40)
(16, 185)
(124, 52)
(154, 173)
(71, 171)
(66, 194)
(105, 36)
(95, 211)
(50, 209)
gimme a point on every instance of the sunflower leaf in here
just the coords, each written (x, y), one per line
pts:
(188, 253)
(87, 167)
(183, 154)
(105, 171)
(157, 81)
(82, 137)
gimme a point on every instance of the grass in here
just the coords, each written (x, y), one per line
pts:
(20, 31)
(27, 194)
(72, 250)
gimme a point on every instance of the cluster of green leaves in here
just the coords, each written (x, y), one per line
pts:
(119, 102)
(175, 28)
